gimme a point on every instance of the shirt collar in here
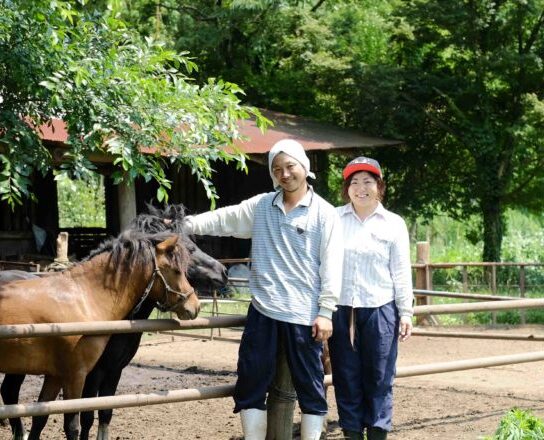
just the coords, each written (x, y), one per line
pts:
(305, 201)
(348, 209)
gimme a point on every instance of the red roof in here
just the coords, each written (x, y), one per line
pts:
(54, 131)
(313, 135)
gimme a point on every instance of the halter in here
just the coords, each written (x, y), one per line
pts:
(162, 306)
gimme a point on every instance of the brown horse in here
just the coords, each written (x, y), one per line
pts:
(106, 287)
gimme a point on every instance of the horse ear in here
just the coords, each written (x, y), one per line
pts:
(168, 245)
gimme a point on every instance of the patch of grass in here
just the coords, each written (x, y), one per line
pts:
(518, 424)
(236, 305)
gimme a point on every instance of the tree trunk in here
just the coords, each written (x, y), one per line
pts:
(493, 222)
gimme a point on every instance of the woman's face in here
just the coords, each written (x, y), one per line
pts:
(363, 190)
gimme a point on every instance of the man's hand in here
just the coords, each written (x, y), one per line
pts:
(405, 329)
(322, 328)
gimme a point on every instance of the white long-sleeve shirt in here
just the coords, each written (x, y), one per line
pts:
(296, 256)
(377, 267)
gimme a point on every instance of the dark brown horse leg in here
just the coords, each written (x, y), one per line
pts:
(107, 388)
(91, 389)
(10, 388)
(50, 391)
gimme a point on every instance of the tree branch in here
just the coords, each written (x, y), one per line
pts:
(317, 5)
(537, 169)
(534, 34)
(193, 11)
(456, 133)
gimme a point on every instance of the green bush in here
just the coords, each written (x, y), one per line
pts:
(523, 242)
(518, 424)
(81, 203)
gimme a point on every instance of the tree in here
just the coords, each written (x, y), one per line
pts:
(459, 82)
(465, 91)
(119, 94)
(288, 54)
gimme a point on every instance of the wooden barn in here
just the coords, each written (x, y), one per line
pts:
(19, 228)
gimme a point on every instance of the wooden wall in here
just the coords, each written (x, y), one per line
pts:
(16, 234)
(232, 185)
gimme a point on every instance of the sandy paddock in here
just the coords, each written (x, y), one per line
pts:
(458, 405)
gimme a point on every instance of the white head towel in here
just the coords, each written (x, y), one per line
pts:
(293, 149)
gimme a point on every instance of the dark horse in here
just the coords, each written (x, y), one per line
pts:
(106, 287)
(203, 272)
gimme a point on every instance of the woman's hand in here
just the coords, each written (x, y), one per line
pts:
(405, 329)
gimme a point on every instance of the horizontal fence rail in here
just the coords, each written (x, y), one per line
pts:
(475, 296)
(111, 327)
(487, 306)
(469, 364)
(480, 264)
(476, 335)
(174, 396)
(148, 325)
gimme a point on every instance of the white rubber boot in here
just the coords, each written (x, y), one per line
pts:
(253, 424)
(311, 426)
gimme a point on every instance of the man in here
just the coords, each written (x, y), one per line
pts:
(295, 282)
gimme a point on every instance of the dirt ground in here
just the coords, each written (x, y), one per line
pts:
(458, 405)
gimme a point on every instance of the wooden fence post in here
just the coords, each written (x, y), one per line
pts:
(281, 400)
(493, 283)
(423, 252)
(61, 262)
(62, 248)
(465, 278)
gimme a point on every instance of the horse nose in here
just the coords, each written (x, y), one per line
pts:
(225, 275)
(193, 314)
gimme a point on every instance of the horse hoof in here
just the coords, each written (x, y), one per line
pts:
(103, 432)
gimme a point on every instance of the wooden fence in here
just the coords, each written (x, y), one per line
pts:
(424, 277)
(103, 327)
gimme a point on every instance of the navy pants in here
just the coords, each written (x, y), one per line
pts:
(363, 375)
(257, 363)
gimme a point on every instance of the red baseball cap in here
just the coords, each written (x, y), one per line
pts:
(362, 163)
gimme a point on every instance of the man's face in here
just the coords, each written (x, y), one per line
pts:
(289, 172)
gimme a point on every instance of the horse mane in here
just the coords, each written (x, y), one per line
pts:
(171, 218)
(135, 246)
(135, 250)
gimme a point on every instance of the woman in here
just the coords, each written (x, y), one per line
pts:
(375, 304)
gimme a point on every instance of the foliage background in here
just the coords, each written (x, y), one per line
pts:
(459, 82)
(82, 203)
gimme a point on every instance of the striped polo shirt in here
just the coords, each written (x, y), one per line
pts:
(296, 256)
